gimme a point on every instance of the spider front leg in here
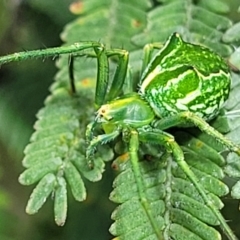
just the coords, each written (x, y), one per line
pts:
(105, 93)
(100, 139)
(102, 94)
(147, 56)
(50, 52)
(184, 118)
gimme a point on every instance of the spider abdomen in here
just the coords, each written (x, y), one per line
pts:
(189, 78)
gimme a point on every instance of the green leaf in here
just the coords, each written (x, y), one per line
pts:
(199, 147)
(41, 193)
(94, 174)
(232, 34)
(196, 24)
(179, 232)
(201, 152)
(39, 170)
(235, 193)
(233, 167)
(60, 202)
(167, 196)
(235, 58)
(194, 225)
(75, 182)
(99, 12)
(130, 217)
(217, 6)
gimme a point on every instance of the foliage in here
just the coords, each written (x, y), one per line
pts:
(55, 158)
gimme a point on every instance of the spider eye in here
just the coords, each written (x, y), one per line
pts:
(104, 113)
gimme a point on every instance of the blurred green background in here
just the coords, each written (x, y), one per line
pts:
(26, 25)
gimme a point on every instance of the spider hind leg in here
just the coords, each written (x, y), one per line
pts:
(189, 117)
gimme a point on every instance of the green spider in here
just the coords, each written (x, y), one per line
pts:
(182, 85)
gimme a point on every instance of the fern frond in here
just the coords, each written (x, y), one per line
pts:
(97, 13)
(218, 6)
(195, 23)
(186, 211)
(176, 205)
(130, 217)
(54, 147)
(56, 153)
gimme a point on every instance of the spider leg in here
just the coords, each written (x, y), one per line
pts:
(75, 50)
(167, 140)
(49, 52)
(148, 52)
(189, 117)
(120, 72)
(100, 139)
(102, 94)
(71, 74)
(133, 153)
